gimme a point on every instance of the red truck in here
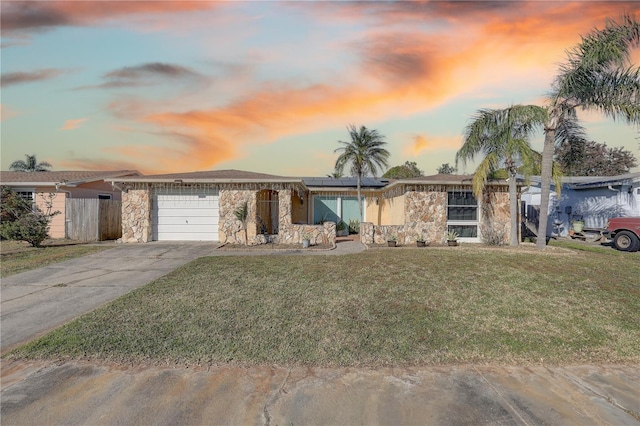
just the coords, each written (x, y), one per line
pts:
(625, 233)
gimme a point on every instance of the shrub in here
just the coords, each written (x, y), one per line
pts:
(495, 235)
(32, 227)
(12, 206)
(21, 220)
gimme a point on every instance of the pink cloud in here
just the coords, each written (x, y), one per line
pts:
(397, 74)
(73, 124)
(427, 143)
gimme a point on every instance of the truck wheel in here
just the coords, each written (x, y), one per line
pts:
(626, 241)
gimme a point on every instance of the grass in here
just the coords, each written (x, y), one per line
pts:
(390, 307)
(19, 256)
(584, 246)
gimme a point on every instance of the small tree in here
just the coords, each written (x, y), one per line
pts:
(242, 214)
(580, 157)
(23, 221)
(407, 170)
(12, 206)
(446, 169)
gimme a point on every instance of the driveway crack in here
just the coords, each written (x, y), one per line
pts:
(607, 398)
(513, 409)
(274, 397)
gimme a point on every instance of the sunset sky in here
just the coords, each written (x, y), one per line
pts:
(270, 87)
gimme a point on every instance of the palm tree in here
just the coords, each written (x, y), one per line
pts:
(365, 152)
(597, 76)
(502, 136)
(31, 165)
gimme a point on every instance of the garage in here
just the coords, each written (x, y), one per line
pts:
(185, 214)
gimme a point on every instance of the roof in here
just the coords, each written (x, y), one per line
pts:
(584, 182)
(443, 179)
(350, 182)
(66, 178)
(209, 176)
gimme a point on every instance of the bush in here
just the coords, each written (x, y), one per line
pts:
(32, 227)
(495, 235)
(20, 220)
(12, 206)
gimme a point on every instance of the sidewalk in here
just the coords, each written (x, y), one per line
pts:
(82, 393)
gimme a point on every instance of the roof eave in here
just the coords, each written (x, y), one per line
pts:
(205, 180)
(35, 184)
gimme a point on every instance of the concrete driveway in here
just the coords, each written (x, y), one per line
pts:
(37, 301)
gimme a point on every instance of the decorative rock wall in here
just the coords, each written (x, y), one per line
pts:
(318, 234)
(426, 214)
(136, 216)
(284, 208)
(230, 229)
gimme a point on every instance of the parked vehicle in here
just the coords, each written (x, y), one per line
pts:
(625, 233)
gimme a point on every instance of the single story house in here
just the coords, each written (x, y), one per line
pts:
(594, 199)
(50, 191)
(203, 206)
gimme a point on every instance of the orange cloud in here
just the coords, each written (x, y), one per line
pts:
(400, 73)
(93, 164)
(426, 143)
(73, 124)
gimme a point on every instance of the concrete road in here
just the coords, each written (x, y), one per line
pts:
(85, 394)
(37, 301)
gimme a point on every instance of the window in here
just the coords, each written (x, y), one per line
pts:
(104, 196)
(25, 195)
(462, 214)
(335, 208)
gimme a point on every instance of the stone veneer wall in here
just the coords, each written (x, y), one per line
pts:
(229, 227)
(426, 215)
(136, 216)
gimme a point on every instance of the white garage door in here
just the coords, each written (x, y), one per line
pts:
(185, 215)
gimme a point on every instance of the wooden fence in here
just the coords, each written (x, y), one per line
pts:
(91, 219)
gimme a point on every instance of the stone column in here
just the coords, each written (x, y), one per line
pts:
(136, 216)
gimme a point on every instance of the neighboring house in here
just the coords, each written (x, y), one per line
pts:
(52, 191)
(202, 205)
(593, 199)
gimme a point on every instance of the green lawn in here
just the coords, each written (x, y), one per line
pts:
(388, 307)
(19, 256)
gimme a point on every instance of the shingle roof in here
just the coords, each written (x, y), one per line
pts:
(579, 182)
(69, 176)
(209, 175)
